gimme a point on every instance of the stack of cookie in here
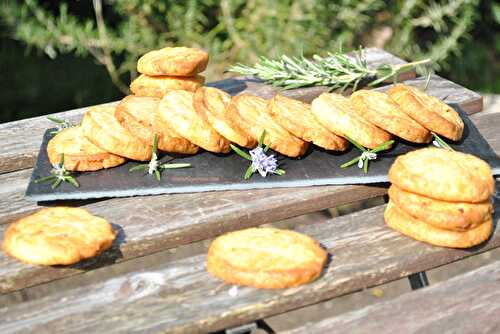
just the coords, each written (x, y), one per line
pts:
(441, 197)
(170, 68)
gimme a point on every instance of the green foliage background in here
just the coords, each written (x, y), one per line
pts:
(60, 55)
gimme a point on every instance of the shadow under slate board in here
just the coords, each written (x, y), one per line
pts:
(218, 172)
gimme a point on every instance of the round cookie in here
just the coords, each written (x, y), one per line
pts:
(101, 127)
(255, 119)
(296, 117)
(419, 230)
(138, 115)
(443, 175)
(58, 236)
(176, 110)
(176, 61)
(456, 216)
(212, 104)
(335, 112)
(266, 258)
(379, 109)
(429, 111)
(79, 153)
(158, 86)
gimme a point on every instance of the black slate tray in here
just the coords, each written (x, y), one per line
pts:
(214, 172)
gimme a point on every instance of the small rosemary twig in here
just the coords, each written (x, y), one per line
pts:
(336, 70)
(439, 142)
(366, 154)
(261, 162)
(61, 124)
(59, 174)
(154, 166)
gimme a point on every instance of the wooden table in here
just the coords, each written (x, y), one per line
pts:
(181, 297)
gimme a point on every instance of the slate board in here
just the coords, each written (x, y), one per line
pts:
(216, 172)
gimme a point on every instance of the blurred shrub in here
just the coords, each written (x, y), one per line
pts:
(118, 32)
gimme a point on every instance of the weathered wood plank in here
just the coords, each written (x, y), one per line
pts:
(151, 224)
(181, 297)
(154, 223)
(468, 303)
(20, 141)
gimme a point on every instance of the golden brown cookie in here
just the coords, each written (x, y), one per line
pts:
(379, 109)
(212, 104)
(255, 119)
(176, 110)
(420, 230)
(456, 216)
(266, 258)
(176, 61)
(79, 153)
(58, 235)
(335, 112)
(101, 127)
(138, 115)
(443, 175)
(429, 111)
(158, 86)
(296, 117)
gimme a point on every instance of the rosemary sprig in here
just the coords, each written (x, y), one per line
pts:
(337, 70)
(61, 124)
(366, 154)
(439, 142)
(154, 166)
(261, 162)
(59, 174)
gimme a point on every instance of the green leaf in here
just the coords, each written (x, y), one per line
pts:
(355, 143)
(248, 172)
(174, 166)
(384, 146)
(72, 180)
(56, 183)
(157, 175)
(61, 163)
(240, 152)
(261, 138)
(267, 147)
(56, 120)
(280, 171)
(350, 163)
(45, 179)
(365, 165)
(442, 143)
(155, 144)
(141, 167)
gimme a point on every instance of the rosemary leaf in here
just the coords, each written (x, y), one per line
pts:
(45, 179)
(350, 163)
(280, 171)
(248, 172)
(141, 167)
(240, 152)
(72, 180)
(173, 166)
(56, 183)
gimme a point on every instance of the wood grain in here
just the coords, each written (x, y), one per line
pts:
(20, 141)
(181, 297)
(468, 303)
(154, 223)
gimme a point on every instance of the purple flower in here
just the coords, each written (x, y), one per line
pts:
(263, 163)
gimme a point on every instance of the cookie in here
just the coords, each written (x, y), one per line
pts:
(176, 110)
(444, 175)
(58, 236)
(212, 104)
(266, 258)
(429, 111)
(335, 112)
(158, 86)
(255, 119)
(138, 115)
(296, 117)
(420, 230)
(176, 61)
(379, 109)
(101, 127)
(79, 153)
(456, 216)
